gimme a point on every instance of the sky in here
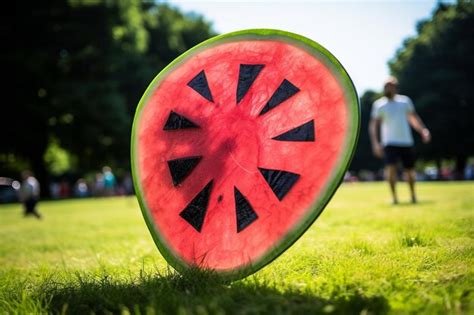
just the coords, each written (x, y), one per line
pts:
(363, 35)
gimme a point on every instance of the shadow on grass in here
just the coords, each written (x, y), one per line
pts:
(198, 293)
(411, 204)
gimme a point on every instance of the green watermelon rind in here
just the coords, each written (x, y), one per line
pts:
(327, 191)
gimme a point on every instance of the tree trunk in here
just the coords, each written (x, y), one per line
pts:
(41, 174)
(461, 161)
(438, 167)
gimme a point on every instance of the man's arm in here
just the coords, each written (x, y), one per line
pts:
(417, 124)
(374, 125)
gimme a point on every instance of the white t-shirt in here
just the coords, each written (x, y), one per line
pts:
(30, 188)
(394, 116)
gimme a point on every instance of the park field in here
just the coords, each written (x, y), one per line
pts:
(362, 256)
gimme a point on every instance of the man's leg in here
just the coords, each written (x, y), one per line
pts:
(391, 174)
(25, 209)
(29, 207)
(411, 178)
(408, 161)
(34, 211)
(390, 159)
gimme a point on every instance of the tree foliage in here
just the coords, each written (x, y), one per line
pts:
(435, 68)
(76, 70)
(364, 159)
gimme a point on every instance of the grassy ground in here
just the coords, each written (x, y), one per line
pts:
(361, 256)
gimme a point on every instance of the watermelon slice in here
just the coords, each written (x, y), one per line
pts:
(238, 145)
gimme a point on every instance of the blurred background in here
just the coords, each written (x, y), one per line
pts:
(75, 71)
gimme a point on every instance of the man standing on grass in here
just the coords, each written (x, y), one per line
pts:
(29, 194)
(395, 114)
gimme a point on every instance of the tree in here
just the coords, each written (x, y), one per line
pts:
(170, 33)
(62, 57)
(363, 157)
(435, 68)
(76, 70)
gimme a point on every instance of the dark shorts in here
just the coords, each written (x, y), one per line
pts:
(393, 154)
(30, 205)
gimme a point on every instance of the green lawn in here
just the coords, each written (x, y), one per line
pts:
(363, 255)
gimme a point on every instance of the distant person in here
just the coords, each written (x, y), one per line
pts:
(99, 184)
(109, 181)
(128, 184)
(469, 172)
(395, 114)
(81, 190)
(55, 190)
(64, 189)
(29, 194)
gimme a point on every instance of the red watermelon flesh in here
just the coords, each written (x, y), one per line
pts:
(235, 146)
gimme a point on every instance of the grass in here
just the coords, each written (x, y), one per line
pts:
(362, 256)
